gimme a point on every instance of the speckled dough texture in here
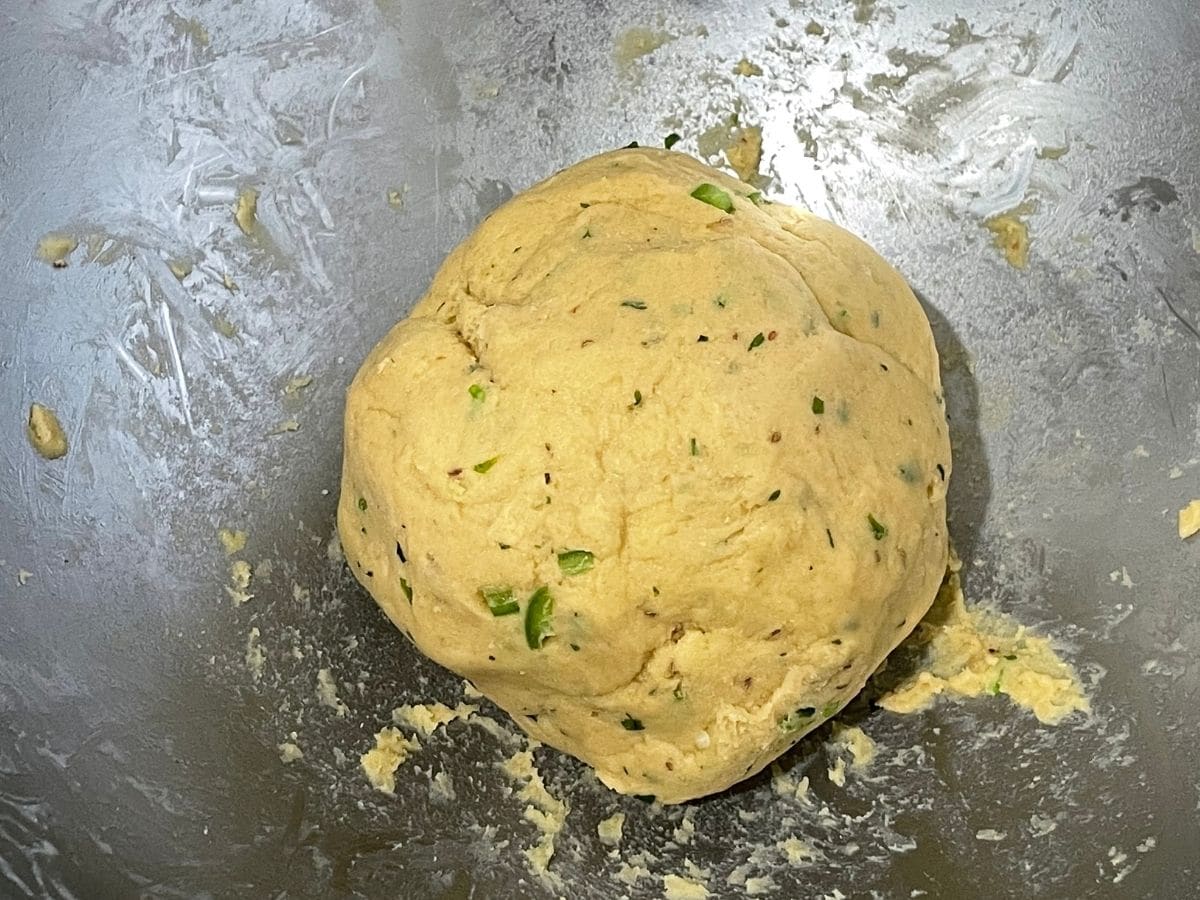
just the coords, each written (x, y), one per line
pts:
(737, 415)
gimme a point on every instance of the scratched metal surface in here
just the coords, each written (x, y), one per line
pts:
(137, 747)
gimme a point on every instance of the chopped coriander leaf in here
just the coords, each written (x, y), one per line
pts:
(538, 614)
(757, 199)
(584, 205)
(477, 392)
(877, 529)
(629, 723)
(994, 688)
(631, 145)
(634, 304)
(774, 496)
(404, 586)
(818, 406)
(362, 503)
(484, 466)
(637, 398)
(678, 693)
(499, 599)
(1010, 656)
(829, 709)
(695, 447)
(756, 341)
(713, 196)
(576, 562)
(671, 140)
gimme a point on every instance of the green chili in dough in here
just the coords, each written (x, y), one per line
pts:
(539, 614)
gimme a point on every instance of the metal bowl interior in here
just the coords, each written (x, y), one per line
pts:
(140, 726)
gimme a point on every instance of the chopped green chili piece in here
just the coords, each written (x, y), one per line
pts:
(829, 709)
(500, 600)
(797, 720)
(629, 723)
(877, 529)
(757, 199)
(538, 614)
(774, 496)
(362, 503)
(634, 304)
(407, 588)
(671, 140)
(756, 341)
(484, 466)
(818, 406)
(994, 688)
(713, 196)
(576, 562)
(477, 392)
(695, 447)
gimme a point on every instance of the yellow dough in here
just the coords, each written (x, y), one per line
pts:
(659, 466)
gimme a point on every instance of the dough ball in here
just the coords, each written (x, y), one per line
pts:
(659, 466)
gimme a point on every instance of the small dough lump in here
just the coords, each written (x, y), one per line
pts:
(658, 465)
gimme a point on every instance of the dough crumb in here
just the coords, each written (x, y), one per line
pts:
(240, 574)
(256, 659)
(797, 852)
(745, 153)
(289, 752)
(180, 268)
(989, 834)
(543, 809)
(327, 693)
(676, 887)
(297, 384)
(611, 829)
(55, 248)
(861, 747)
(629, 873)
(756, 887)
(442, 788)
(634, 43)
(1011, 235)
(233, 541)
(1189, 520)
(381, 762)
(23, 576)
(837, 772)
(428, 717)
(747, 69)
(974, 651)
(245, 211)
(786, 786)
(1121, 575)
(286, 427)
(687, 828)
(46, 432)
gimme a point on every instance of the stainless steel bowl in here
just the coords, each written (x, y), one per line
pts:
(138, 748)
